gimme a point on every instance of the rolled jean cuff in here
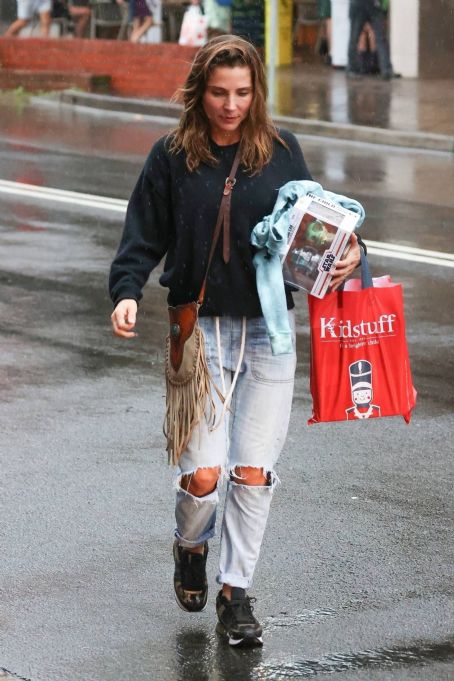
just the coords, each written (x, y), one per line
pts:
(234, 580)
(190, 544)
(196, 517)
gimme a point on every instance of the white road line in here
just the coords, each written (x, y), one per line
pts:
(379, 248)
(417, 256)
(63, 196)
(408, 249)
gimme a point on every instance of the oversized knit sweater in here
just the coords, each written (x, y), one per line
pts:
(172, 212)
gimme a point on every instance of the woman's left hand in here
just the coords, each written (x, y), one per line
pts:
(347, 265)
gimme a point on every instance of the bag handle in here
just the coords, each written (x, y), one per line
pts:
(366, 276)
(223, 220)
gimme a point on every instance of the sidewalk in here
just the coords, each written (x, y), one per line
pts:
(317, 100)
(407, 104)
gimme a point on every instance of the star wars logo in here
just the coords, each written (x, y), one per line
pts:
(330, 327)
(327, 262)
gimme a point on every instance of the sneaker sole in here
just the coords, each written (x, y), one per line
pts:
(247, 642)
(181, 606)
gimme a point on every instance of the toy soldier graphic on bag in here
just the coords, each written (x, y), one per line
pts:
(361, 386)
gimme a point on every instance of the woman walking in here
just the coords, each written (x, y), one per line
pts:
(173, 211)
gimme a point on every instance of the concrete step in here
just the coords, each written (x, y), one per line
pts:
(35, 81)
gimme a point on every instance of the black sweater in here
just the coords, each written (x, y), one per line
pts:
(173, 211)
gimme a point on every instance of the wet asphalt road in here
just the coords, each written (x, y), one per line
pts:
(356, 571)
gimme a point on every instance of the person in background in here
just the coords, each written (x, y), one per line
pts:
(141, 16)
(218, 17)
(80, 13)
(324, 14)
(367, 60)
(374, 13)
(193, 29)
(26, 10)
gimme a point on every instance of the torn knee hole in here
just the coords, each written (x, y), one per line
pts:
(251, 475)
(202, 481)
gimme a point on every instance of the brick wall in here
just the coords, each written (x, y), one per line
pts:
(135, 70)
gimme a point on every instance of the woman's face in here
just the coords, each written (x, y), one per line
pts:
(227, 100)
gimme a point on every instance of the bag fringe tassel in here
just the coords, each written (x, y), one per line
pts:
(187, 403)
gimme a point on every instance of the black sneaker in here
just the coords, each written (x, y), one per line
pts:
(236, 620)
(190, 579)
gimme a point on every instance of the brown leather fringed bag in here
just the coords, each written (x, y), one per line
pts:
(188, 380)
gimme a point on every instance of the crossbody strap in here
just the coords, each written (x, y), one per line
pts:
(223, 221)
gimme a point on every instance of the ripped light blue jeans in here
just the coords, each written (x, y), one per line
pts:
(251, 433)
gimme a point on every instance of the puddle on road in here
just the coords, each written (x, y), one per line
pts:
(382, 658)
(205, 657)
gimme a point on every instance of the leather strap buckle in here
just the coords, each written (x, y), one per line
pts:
(229, 185)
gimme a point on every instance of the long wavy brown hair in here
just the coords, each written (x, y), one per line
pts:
(258, 132)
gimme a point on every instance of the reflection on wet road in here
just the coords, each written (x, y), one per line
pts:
(51, 195)
(356, 576)
(200, 654)
(385, 658)
(404, 104)
(203, 658)
(50, 145)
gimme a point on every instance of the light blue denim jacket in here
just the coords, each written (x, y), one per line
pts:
(270, 237)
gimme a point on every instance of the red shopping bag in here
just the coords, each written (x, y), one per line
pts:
(359, 358)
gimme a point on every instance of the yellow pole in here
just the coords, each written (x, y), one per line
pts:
(279, 31)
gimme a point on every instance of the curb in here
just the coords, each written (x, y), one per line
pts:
(360, 133)
(341, 131)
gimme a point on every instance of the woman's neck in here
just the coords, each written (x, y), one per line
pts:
(225, 139)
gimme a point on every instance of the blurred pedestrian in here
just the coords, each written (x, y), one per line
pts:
(193, 30)
(367, 59)
(141, 16)
(26, 10)
(80, 13)
(218, 14)
(324, 14)
(373, 12)
(224, 132)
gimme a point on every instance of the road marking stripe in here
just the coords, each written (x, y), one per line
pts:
(63, 196)
(408, 249)
(386, 250)
(412, 257)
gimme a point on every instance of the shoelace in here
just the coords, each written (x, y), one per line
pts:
(243, 607)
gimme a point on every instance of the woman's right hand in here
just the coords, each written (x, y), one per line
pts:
(124, 318)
